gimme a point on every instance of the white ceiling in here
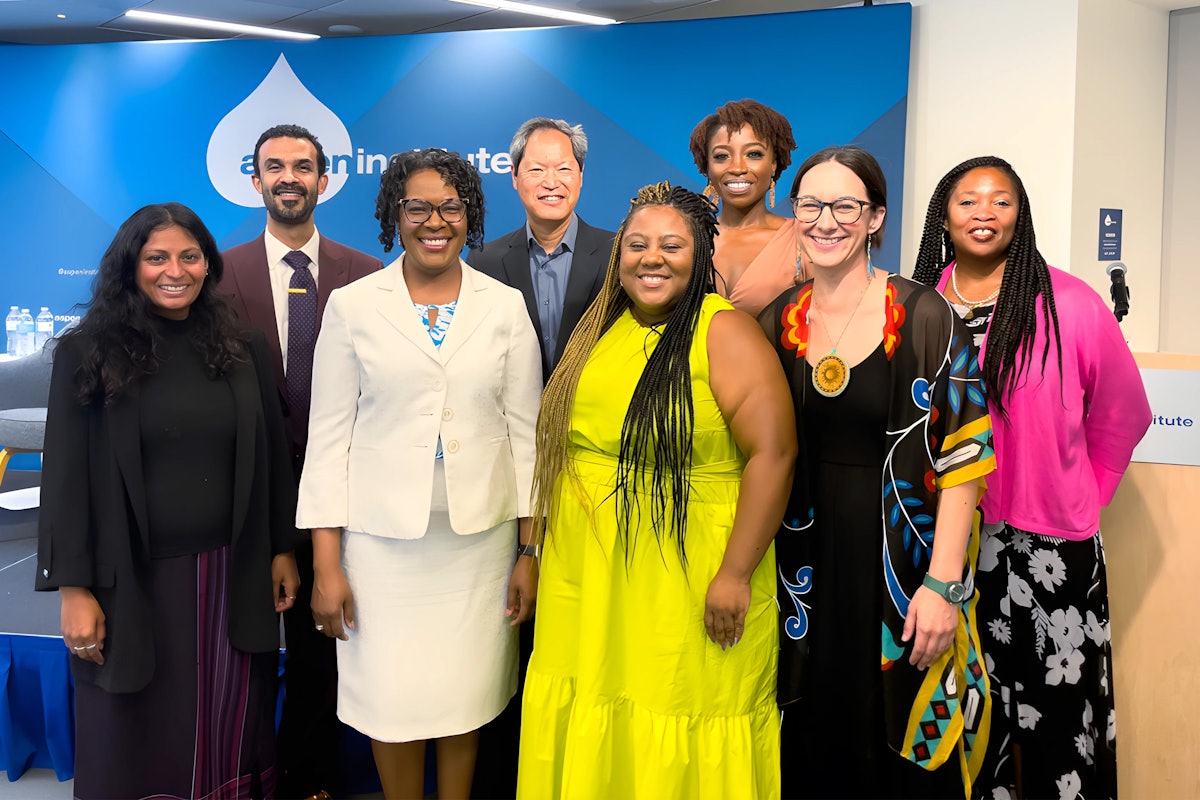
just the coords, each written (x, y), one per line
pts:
(36, 21)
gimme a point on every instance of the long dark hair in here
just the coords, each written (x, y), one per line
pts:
(455, 170)
(656, 435)
(1026, 277)
(120, 340)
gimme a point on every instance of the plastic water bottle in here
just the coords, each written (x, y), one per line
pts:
(44, 329)
(10, 331)
(25, 333)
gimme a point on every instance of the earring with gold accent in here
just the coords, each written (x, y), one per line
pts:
(771, 194)
(870, 266)
(713, 196)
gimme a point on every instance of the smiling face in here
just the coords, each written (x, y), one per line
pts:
(431, 246)
(657, 251)
(548, 179)
(741, 166)
(827, 243)
(170, 271)
(288, 181)
(981, 215)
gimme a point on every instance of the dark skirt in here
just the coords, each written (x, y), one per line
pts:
(204, 726)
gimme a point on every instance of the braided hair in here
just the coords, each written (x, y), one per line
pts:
(1026, 277)
(656, 435)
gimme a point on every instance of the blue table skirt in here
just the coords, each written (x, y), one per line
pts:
(37, 714)
(37, 706)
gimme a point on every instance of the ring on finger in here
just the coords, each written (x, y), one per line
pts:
(320, 627)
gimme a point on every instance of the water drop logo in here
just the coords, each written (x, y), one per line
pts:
(280, 99)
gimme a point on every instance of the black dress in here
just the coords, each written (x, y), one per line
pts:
(842, 698)
(204, 726)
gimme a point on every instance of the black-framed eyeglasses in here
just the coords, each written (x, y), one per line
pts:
(846, 210)
(418, 211)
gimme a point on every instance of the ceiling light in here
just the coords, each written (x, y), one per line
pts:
(61, 16)
(216, 24)
(553, 13)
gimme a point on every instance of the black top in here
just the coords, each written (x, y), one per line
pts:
(850, 428)
(188, 437)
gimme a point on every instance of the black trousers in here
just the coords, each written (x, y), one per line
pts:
(496, 764)
(309, 742)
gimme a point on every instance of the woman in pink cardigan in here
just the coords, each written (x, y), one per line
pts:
(1067, 407)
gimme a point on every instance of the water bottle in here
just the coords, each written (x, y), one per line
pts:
(25, 333)
(10, 330)
(44, 329)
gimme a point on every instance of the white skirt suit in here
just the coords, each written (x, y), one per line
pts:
(427, 544)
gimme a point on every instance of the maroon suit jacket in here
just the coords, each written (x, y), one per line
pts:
(248, 285)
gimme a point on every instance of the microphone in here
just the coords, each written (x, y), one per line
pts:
(1119, 291)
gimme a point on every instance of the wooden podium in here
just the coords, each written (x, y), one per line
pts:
(1152, 545)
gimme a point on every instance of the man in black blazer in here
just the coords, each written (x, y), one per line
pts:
(558, 262)
(289, 172)
(556, 259)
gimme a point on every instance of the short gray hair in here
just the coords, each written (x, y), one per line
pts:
(520, 140)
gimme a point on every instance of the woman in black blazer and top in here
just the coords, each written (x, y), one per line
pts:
(166, 523)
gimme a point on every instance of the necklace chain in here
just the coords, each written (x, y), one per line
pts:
(846, 327)
(971, 304)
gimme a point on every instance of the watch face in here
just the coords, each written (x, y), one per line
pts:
(955, 591)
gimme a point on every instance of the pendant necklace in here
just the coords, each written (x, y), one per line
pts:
(970, 304)
(831, 375)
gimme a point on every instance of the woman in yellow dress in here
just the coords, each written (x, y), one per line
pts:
(666, 444)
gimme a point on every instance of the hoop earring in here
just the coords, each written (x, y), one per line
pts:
(870, 266)
(711, 194)
(771, 194)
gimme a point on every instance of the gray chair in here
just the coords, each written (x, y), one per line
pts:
(24, 390)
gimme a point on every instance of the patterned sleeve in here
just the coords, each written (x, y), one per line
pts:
(960, 429)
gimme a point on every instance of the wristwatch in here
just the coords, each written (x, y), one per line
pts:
(953, 591)
(531, 550)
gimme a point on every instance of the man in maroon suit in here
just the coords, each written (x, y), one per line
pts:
(280, 283)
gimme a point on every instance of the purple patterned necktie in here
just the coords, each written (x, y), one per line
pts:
(302, 332)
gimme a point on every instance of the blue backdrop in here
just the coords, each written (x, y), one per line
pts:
(89, 133)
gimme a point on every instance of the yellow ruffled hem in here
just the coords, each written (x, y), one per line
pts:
(578, 748)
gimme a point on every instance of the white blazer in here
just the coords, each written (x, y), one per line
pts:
(382, 394)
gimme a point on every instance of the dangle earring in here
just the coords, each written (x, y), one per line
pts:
(772, 194)
(713, 196)
(870, 266)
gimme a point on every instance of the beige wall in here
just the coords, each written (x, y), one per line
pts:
(1181, 225)
(1072, 93)
(1118, 158)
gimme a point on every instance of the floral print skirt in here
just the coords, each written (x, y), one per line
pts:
(1043, 614)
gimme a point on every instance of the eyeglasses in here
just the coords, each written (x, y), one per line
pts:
(846, 210)
(418, 211)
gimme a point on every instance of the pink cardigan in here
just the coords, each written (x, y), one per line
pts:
(1061, 454)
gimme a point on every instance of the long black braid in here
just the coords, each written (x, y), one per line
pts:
(656, 435)
(658, 427)
(1026, 276)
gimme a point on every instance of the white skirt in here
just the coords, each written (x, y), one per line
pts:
(431, 653)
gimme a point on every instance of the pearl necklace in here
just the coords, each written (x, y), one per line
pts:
(970, 304)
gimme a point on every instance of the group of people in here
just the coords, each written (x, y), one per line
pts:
(792, 524)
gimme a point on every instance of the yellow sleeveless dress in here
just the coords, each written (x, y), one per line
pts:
(625, 696)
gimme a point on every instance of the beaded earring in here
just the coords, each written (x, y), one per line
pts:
(771, 194)
(711, 194)
(870, 266)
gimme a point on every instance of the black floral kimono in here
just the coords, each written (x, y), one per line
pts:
(938, 436)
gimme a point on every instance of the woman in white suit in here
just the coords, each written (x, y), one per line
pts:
(417, 481)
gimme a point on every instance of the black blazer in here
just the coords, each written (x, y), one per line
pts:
(507, 260)
(92, 528)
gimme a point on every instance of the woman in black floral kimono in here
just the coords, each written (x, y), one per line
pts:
(881, 680)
